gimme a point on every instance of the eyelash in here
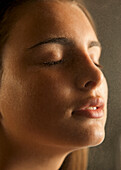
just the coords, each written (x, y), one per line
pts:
(53, 63)
(61, 61)
(99, 66)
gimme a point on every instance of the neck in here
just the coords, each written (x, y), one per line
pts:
(48, 158)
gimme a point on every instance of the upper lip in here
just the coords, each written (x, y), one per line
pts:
(91, 102)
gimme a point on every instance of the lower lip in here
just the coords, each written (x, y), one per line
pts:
(95, 114)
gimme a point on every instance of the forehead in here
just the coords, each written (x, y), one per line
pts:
(51, 19)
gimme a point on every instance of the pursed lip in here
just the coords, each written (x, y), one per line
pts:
(84, 110)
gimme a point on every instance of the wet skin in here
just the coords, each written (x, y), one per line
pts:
(37, 96)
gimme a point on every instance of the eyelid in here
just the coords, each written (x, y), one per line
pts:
(93, 50)
(51, 63)
(95, 57)
(99, 66)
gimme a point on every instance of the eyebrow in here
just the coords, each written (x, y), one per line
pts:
(58, 40)
(64, 41)
(94, 43)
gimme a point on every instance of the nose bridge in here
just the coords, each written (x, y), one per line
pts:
(89, 75)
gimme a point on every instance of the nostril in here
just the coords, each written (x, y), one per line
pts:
(90, 84)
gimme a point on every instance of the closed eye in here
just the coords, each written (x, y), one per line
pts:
(51, 63)
(98, 65)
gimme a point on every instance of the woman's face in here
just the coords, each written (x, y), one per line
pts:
(50, 71)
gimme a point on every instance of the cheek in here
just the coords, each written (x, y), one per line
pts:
(102, 90)
(35, 98)
(104, 93)
(105, 87)
(49, 94)
(33, 104)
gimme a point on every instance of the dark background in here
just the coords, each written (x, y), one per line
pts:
(107, 15)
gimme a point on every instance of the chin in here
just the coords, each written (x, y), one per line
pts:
(94, 137)
(94, 134)
(97, 140)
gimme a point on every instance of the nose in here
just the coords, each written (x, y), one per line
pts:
(89, 75)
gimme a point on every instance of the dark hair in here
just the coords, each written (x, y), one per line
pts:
(78, 159)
